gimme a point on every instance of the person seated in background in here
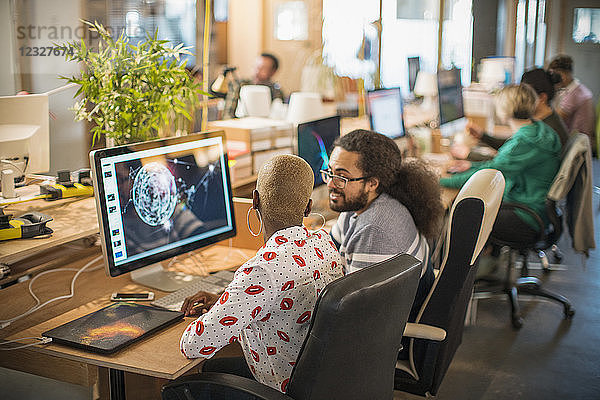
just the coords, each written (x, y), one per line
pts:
(573, 101)
(268, 305)
(543, 83)
(266, 66)
(529, 160)
(388, 206)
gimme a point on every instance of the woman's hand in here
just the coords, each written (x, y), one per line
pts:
(199, 303)
(474, 130)
(459, 166)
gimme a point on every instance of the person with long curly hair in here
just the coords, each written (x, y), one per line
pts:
(387, 205)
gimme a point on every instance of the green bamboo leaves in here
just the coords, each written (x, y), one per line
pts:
(132, 92)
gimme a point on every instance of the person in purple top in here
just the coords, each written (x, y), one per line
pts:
(573, 102)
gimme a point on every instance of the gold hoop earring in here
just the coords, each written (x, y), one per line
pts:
(322, 217)
(248, 222)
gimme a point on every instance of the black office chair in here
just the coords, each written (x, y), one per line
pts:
(572, 173)
(527, 284)
(352, 342)
(437, 331)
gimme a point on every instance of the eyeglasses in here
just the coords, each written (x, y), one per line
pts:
(338, 181)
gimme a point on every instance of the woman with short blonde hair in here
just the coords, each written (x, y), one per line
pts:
(516, 101)
(529, 160)
(268, 306)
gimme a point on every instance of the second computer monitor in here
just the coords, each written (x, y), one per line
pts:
(414, 66)
(450, 96)
(315, 142)
(385, 112)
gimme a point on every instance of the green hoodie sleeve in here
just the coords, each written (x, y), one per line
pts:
(513, 156)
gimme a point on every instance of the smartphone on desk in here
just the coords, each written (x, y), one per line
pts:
(142, 296)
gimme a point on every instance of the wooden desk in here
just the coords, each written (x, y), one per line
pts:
(73, 219)
(157, 356)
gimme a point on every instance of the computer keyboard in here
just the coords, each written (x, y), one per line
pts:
(213, 283)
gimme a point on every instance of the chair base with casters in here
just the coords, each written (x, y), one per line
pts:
(512, 287)
(526, 284)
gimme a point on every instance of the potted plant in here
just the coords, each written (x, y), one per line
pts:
(132, 93)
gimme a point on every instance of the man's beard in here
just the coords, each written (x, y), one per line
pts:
(343, 204)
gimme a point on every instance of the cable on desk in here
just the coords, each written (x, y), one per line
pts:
(40, 340)
(39, 304)
(18, 200)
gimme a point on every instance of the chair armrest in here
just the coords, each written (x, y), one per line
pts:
(187, 385)
(422, 331)
(538, 220)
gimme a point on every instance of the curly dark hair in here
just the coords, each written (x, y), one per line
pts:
(412, 183)
(562, 62)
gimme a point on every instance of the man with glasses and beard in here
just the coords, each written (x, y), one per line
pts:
(387, 205)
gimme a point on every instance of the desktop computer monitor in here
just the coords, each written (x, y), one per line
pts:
(385, 112)
(24, 134)
(315, 142)
(450, 101)
(158, 199)
(414, 66)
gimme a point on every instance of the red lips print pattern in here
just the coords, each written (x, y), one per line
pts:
(272, 293)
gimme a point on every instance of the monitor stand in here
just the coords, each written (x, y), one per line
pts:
(155, 276)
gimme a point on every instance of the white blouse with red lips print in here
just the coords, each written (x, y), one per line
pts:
(269, 303)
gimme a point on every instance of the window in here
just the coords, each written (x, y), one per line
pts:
(409, 29)
(586, 25)
(530, 37)
(408, 34)
(291, 21)
(346, 24)
(457, 38)
(175, 20)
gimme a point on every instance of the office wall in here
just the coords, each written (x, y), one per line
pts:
(40, 23)
(586, 56)
(244, 36)
(250, 32)
(293, 54)
(7, 61)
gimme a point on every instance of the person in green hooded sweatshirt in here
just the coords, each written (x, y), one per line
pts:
(529, 160)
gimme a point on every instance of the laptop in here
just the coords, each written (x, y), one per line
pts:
(111, 328)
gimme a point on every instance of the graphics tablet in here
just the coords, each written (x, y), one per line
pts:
(111, 328)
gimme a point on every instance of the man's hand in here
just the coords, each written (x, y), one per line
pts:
(199, 303)
(459, 166)
(474, 130)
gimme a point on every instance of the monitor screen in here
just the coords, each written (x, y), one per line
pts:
(315, 142)
(161, 198)
(414, 66)
(450, 96)
(385, 112)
